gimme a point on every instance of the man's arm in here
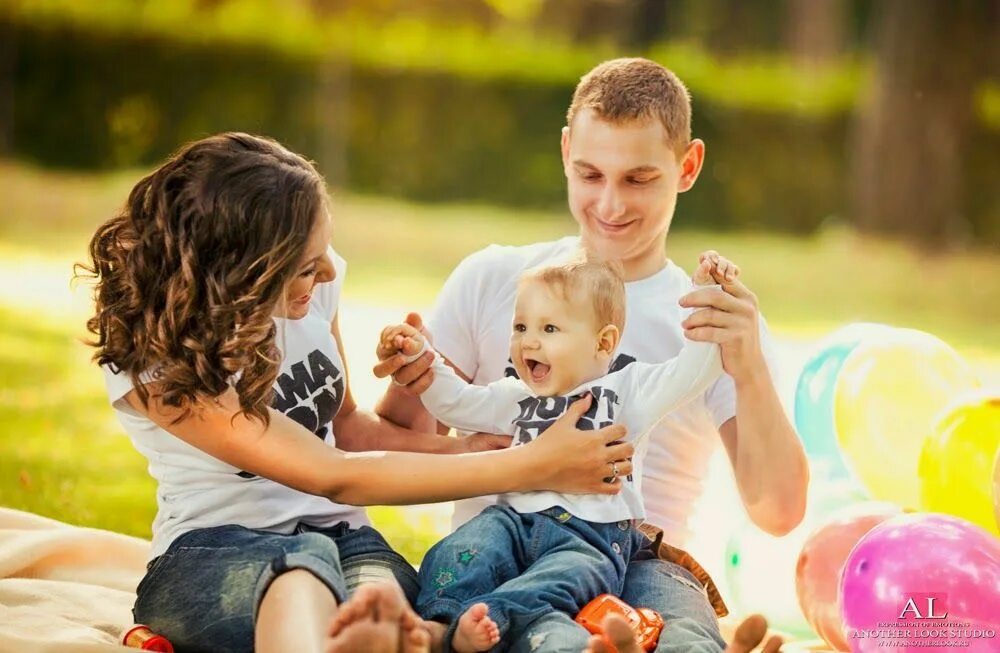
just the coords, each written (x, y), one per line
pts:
(770, 466)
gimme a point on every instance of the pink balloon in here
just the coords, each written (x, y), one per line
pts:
(817, 574)
(922, 578)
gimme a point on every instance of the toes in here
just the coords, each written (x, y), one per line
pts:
(365, 636)
(417, 640)
(749, 635)
(773, 645)
(620, 634)
(389, 602)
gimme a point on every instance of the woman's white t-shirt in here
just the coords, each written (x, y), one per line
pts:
(195, 490)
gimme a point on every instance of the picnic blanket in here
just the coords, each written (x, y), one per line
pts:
(65, 588)
(69, 589)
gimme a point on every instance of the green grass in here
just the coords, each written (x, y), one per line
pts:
(63, 455)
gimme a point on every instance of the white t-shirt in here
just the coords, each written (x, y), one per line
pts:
(195, 490)
(636, 396)
(471, 324)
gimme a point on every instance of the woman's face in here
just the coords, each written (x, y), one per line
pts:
(315, 267)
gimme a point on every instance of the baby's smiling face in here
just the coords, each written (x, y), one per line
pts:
(556, 343)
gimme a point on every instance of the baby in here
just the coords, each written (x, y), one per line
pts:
(539, 552)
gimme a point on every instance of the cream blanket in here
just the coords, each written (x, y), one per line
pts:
(65, 588)
(70, 589)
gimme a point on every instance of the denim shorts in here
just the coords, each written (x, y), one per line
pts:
(203, 593)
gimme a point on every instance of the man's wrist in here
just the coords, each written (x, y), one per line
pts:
(753, 375)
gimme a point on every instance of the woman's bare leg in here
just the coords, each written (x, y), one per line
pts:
(294, 614)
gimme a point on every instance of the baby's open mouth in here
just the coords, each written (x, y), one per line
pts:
(537, 369)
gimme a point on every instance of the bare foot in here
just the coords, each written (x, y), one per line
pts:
(475, 631)
(415, 633)
(378, 611)
(365, 635)
(749, 635)
(617, 633)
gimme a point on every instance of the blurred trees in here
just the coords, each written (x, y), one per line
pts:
(885, 115)
(910, 158)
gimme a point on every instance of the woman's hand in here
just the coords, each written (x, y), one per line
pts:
(578, 462)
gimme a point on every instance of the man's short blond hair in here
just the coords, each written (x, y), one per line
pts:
(627, 90)
(585, 279)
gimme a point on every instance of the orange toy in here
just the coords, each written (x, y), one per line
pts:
(142, 637)
(645, 623)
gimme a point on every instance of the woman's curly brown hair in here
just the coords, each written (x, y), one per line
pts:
(189, 273)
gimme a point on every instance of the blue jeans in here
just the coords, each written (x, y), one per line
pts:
(524, 566)
(690, 623)
(203, 593)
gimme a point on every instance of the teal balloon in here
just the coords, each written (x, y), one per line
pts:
(814, 399)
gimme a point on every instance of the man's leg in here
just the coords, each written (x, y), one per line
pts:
(555, 632)
(690, 623)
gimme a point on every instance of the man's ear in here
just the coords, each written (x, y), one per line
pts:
(607, 339)
(691, 163)
(564, 146)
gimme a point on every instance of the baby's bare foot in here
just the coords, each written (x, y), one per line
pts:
(475, 631)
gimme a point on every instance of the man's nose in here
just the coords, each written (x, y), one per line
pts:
(610, 205)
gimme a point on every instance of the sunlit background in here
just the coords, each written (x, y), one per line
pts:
(852, 169)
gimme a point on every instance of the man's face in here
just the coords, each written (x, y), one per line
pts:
(623, 182)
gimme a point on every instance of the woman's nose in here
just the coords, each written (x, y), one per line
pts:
(324, 269)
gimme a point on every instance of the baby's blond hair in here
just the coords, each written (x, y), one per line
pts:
(587, 278)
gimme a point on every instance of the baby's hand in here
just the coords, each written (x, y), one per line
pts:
(714, 268)
(400, 338)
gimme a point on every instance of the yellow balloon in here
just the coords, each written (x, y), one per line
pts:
(996, 489)
(957, 461)
(888, 396)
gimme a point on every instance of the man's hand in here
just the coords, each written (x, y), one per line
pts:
(414, 377)
(481, 442)
(728, 317)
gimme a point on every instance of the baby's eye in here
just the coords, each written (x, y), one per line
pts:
(519, 328)
(551, 328)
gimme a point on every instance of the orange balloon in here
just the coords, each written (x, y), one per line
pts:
(817, 574)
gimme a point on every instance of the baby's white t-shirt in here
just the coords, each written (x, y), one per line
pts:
(636, 396)
(471, 326)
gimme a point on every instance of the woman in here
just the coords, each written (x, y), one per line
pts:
(216, 325)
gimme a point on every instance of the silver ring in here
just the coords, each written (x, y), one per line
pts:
(395, 382)
(614, 472)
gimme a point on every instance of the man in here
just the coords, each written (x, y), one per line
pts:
(627, 153)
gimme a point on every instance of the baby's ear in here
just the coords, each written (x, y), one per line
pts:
(607, 339)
